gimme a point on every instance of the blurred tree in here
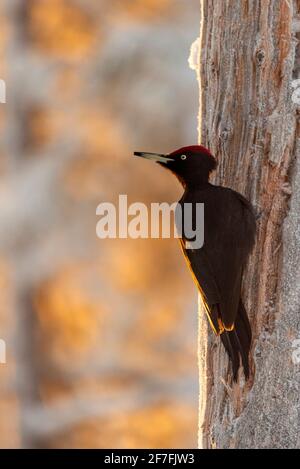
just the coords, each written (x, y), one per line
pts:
(98, 359)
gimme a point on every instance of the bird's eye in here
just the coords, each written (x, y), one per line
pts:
(183, 157)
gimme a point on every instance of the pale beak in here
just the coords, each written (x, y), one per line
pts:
(158, 157)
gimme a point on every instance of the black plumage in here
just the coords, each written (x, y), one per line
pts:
(229, 235)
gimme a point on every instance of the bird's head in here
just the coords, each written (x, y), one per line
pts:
(191, 165)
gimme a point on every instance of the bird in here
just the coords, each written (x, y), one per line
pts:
(229, 236)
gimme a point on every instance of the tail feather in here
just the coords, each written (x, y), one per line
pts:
(232, 352)
(237, 342)
(242, 316)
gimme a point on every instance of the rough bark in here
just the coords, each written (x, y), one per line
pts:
(249, 76)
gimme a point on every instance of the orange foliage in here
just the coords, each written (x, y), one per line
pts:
(110, 325)
(60, 27)
(68, 315)
(153, 426)
(99, 136)
(41, 127)
(144, 9)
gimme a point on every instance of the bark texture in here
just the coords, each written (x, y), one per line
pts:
(249, 117)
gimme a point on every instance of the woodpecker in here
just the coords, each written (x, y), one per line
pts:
(229, 235)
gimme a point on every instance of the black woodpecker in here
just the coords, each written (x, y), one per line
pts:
(229, 236)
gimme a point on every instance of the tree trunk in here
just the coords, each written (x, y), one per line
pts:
(250, 96)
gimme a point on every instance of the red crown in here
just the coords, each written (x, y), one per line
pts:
(193, 149)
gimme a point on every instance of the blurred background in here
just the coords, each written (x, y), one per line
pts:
(101, 336)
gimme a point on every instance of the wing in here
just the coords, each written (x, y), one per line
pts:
(204, 279)
(217, 268)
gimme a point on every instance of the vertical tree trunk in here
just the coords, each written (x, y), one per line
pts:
(249, 73)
